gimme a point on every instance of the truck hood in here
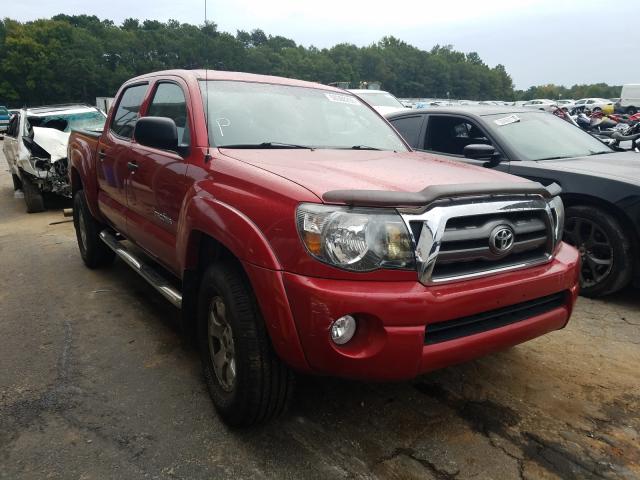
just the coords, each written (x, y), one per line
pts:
(624, 166)
(321, 171)
(53, 141)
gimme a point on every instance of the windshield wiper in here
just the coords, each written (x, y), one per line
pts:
(364, 147)
(552, 158)
(266, 145)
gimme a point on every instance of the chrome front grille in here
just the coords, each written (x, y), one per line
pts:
(464, 238)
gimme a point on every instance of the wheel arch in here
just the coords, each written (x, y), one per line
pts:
(576, 199)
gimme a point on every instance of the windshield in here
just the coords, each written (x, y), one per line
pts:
(541, 136)
(65, 122)
(380, 99)
(258, 115)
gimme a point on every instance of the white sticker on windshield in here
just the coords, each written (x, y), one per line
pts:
(507, 120)
(336, 97)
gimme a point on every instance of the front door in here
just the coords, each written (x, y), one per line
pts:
(157, 184)
(449, 134)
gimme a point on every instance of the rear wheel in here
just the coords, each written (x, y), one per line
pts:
(597, 109)
(94, 252)
(32, 196)
(632, 110)
(247, 382)
(604, 249)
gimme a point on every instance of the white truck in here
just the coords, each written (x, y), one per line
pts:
(629, 102)
(35, 147)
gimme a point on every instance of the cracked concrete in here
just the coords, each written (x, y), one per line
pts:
(96, 383)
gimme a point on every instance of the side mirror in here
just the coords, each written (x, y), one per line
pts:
(157, 132)
(480, 151)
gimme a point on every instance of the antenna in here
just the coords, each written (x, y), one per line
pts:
(207, 157)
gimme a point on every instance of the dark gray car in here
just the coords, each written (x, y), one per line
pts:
(601, 188)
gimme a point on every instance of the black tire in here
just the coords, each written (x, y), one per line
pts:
(32, 196)
(94, 252)
(597, 109)
(17, 183)
(262, 385)
(632, 110)
(605, 250)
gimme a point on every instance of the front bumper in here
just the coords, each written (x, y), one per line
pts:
(392, 317)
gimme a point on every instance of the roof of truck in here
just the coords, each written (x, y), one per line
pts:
(235, 76)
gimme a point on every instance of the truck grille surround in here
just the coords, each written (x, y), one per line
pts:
(456, 239)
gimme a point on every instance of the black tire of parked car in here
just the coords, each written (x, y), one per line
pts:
(632, 110)
(32, 196)
(17, 183)
(622, 260)
(94, 252)
(263, 384)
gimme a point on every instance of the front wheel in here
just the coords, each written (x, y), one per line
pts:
(632, 110)
(94, 252)
(605, 250)
(247, 382)
(32, 196)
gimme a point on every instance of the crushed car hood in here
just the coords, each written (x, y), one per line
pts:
(321, 171)
(623, 166)
(53, 141)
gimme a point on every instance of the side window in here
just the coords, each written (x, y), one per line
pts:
(450, 135)
(409, 128)
(12, 129)
(590, 102)
(127, 113)
(169, 101)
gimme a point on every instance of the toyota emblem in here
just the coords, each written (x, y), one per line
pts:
(501, 240)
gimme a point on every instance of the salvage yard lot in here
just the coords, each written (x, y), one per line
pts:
(96, 382)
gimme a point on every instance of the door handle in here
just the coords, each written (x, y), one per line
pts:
(133, 166)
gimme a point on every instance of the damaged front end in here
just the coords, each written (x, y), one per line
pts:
(48, 160)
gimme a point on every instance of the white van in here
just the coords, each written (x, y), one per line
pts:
(630, 98)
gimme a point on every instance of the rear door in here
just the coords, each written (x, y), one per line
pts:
(449, 134)
(157, 184)
(113, 155)
(10, 144)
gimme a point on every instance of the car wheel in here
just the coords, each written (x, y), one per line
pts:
(17, 183)
(605, 250)
(94, 252)
(247, 382)
(597, 109)
(32, 196)
(632, 110)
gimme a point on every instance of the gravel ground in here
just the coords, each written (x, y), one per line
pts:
(96, 382)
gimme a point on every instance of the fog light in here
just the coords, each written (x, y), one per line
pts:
(343, 329)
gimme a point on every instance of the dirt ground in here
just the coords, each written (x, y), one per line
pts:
(96, 382)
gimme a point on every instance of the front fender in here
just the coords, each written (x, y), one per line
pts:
(228, 226)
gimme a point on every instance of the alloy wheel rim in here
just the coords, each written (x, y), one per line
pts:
(595, 249)
(221, 345)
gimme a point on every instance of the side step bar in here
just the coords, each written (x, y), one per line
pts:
(147, 272)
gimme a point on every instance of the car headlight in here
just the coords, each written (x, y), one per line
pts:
(557, 211)
(355, 239)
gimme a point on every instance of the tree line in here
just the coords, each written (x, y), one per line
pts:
(71, 58)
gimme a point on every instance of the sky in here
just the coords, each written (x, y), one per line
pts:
(538, 41)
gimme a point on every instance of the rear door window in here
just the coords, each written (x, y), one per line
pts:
(126, 116)
(409, 128)
(169, 101)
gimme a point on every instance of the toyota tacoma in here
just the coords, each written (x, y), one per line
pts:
(298, 232)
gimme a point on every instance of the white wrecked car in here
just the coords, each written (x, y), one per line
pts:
(35, 147)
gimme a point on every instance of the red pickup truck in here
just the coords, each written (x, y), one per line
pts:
(298, 232)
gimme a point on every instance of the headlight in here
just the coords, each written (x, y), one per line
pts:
(557, 211)
(355, 239)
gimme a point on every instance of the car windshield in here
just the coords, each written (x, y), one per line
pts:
(380, 99)
(86, 120)
(541, 136)
(260, 115)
